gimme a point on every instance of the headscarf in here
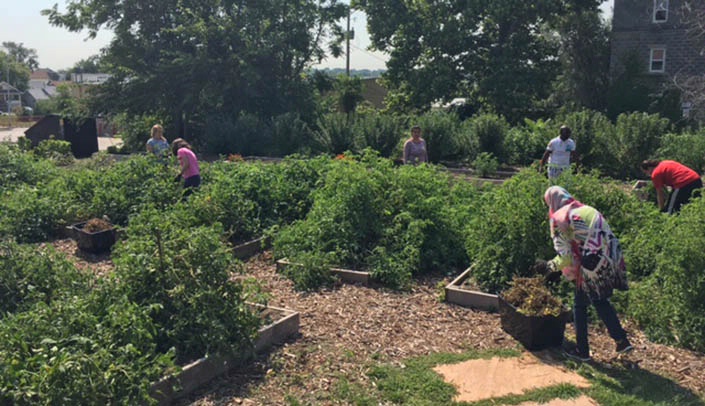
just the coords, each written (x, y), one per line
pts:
(556, 197)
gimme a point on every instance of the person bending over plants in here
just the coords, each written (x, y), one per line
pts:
(190, 171)
(682, 180)
(588, 254)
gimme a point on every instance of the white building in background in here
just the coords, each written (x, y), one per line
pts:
(90, 78)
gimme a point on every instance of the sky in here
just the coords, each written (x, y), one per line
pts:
(57, 48)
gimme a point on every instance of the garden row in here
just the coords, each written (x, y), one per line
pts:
(357, 211)
(483, 141)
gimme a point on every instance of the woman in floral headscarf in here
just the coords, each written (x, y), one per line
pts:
(588, 254)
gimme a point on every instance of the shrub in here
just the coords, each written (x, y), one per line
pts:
(637, 137)
(510, 232)
(485, 164)
(245, 134)
(55, 150)
(18, 167)
(182, 274)
(686, 148)
(29, 275)
(490, 130)
(135, 130)
(593, 134)
(444, 139)
(96, 348)
(381, 132)
(670, 303)
(526, 144)
(334, 134)
(290, 134)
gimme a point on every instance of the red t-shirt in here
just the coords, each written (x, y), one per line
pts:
(673, 174)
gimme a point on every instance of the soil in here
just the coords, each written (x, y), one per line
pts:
(532, 298)
(346, 329)
(95, 225)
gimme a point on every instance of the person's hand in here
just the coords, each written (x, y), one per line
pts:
(552, 278)
(539, 267)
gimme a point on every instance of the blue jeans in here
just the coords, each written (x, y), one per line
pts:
(607, 314)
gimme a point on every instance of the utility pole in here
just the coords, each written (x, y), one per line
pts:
(347, 47)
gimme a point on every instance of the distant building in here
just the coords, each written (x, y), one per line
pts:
(656, 33)
(90, 78)
(373, 92)
(10, 97)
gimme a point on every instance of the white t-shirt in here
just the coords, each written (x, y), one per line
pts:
(560, 151)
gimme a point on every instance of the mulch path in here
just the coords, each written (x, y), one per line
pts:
(346, 329)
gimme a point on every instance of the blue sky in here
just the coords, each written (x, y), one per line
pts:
(57, 48)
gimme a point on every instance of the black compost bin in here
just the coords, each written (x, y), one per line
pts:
(96, 242)
(533, 332)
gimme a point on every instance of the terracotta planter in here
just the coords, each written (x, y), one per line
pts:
(97, 242)
(533, 332)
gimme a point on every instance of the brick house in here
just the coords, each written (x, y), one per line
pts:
(656, 33)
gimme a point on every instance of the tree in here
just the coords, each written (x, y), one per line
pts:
(497, 52)
(91, 64)
(198, 58)
(584, 56)
(25, 56)
(17, 72)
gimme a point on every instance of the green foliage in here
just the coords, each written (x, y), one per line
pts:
(135, 129)
(593, 134)
(394, 223)
(670, 303)
(637, 137)
(512, 231)
(490, 130)
(182, 274)
(444, 139)
(334, 134)
(56, 150)
(17, 167)
(485, 164)
(349, 93)
(290, 134)
(245, 134)
(96, 348)
(29, 275)
(686, 148)
(383, 133)
(525, 144)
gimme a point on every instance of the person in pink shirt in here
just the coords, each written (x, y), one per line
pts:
(683, 181)
(190, 171)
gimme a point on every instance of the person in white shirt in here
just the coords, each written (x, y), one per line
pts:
(559, 153)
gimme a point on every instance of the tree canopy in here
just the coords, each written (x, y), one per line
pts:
(190, 58)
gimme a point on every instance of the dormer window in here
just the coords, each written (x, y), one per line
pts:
(660, 11)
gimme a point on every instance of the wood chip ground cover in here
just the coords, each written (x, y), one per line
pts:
(346, 329)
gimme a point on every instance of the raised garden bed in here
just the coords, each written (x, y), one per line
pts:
(91, 239)
(533, 332)
(285, 324)
(251, 248)
(345, 275)
(463, 293)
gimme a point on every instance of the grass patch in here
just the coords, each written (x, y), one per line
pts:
(415, 383)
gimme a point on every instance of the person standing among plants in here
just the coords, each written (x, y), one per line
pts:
(415, 150)
(682, 180)
(157, 145)
(559, 153)
(190, 171)
(590, 255)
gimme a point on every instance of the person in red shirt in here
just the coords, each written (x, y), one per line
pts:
(682, 180)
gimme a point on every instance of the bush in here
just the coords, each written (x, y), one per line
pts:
(18, 167)
(290, 134)
(55, 150)
(485, 164)
(593, 134)
(670, 303)
(334, 134)
(182, 274)
(526, 144)
(383, 133)
(245, 134)
(444, 140)
(637, 137)
(29, 275)
(686, 148)
(135, 130)
(490, 130)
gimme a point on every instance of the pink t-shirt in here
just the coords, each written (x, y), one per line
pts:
(186, 155)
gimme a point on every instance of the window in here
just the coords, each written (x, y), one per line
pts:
(660, 11)
(658, 60)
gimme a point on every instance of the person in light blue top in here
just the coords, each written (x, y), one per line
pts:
(158, 145)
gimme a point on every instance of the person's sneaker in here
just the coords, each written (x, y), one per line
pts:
(624, 346)
(575, 354)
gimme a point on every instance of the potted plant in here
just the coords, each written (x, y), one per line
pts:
(532, 315)
(95, 235)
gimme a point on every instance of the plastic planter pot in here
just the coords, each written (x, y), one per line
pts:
(97, 242)
(533, 332)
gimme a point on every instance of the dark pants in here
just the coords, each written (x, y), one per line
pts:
(191, 183)
(607, 314)
(681, 196)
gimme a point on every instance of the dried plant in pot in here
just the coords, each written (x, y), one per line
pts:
(531, 314)
(95, 235)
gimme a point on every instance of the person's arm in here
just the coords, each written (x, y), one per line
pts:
(149, 147)
(660, 198)
(183, 160)
(425, 152)
(405, 155)
(546, 154)
(574, 156)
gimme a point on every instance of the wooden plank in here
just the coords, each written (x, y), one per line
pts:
(470, 298)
